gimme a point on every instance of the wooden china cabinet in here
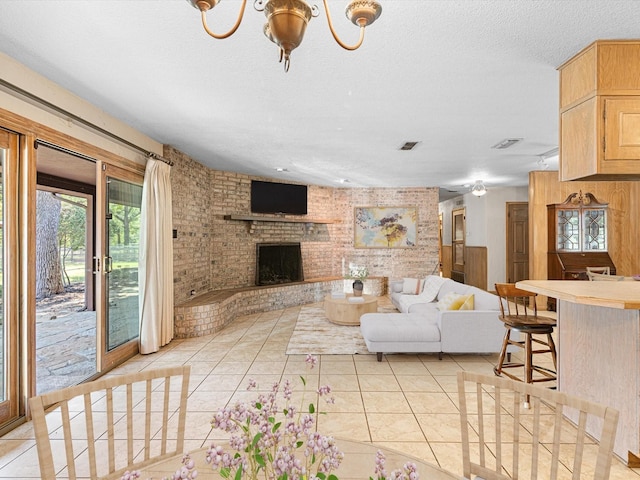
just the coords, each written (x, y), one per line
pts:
(577, 239)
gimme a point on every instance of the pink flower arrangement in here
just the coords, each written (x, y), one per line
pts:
(277, 443)
(273, 442)
(407, 472)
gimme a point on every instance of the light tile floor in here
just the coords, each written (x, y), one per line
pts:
(406, 402)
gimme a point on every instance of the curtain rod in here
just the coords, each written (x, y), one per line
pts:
(53, 146)
(82, 121)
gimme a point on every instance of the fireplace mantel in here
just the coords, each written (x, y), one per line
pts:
(308, 222)
(258, 218)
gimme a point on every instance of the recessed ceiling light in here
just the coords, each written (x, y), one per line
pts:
(506, 143)
(344, 180)
(409, 145)
(280, 169)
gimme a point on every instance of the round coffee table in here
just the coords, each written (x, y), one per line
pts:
(341, 311)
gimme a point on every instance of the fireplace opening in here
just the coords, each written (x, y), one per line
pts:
(278, 263)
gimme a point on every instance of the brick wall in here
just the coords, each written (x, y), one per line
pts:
(211, 253)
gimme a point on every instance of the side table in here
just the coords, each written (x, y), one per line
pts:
(343, 312)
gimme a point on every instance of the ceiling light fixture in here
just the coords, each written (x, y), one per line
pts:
(478, 188)
(542, 163)
(287, 21)
(546, 157)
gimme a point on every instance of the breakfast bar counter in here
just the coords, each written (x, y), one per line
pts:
(598, 343)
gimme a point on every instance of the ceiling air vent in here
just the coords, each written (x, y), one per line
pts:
(506, 143)
(409, 145)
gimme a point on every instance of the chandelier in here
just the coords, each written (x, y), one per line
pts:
(287, 21)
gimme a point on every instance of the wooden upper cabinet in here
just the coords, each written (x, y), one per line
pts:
(600, 112)
(622, 128)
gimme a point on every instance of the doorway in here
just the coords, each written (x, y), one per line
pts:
(65, 320)
(517, 241)
(458, 244)
(87, 238)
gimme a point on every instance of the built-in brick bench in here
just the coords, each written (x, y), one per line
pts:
(210, 312)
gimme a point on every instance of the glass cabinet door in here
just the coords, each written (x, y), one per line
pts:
(568, 230)
(595, 230)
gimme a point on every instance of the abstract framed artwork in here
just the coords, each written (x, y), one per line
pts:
(385, 227)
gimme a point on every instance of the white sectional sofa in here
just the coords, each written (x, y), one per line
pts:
(426, 324)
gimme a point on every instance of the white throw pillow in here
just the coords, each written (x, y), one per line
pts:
(412, 286)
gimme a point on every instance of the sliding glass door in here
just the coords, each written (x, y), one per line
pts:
(9, 278)
(121, 240)
(69, 240)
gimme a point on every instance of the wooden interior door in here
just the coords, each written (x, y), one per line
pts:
(517, 241)
(457, 244)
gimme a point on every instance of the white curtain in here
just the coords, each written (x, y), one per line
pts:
(156, 258)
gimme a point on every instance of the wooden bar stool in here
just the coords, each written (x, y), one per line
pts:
(516, 316)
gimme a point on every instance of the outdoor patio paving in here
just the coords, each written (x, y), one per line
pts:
(65, 341)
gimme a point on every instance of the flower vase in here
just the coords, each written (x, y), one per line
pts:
(358, 286)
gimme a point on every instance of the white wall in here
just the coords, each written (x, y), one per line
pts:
(486, 225)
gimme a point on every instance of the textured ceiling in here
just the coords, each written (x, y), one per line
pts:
(457, 76)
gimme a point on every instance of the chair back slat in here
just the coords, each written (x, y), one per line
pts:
(91, 447)
(147, 416)
(557, 436)
(110, 430)
(68, 439)
(147, 432)
(165, 415)
(516, 433)
(552, 435)
(113, 400)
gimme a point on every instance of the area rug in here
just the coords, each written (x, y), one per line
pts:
(315, 334)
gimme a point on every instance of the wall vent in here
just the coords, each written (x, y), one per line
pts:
(506, 143)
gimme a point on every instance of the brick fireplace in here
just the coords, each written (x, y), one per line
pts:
(278, 263)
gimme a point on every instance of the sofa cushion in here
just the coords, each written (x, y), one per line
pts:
(397, 328)
(412, 286)
(449, 286)
(428, 311)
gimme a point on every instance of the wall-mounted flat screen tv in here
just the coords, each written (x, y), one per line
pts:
(272, 197)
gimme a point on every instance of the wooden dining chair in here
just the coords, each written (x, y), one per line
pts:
(519, 313)
(104, 427)
(600, 270)
(559, 436)
(604, 277)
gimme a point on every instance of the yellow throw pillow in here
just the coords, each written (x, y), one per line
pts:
(446, 302)
(458, 302)
(468, 303)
